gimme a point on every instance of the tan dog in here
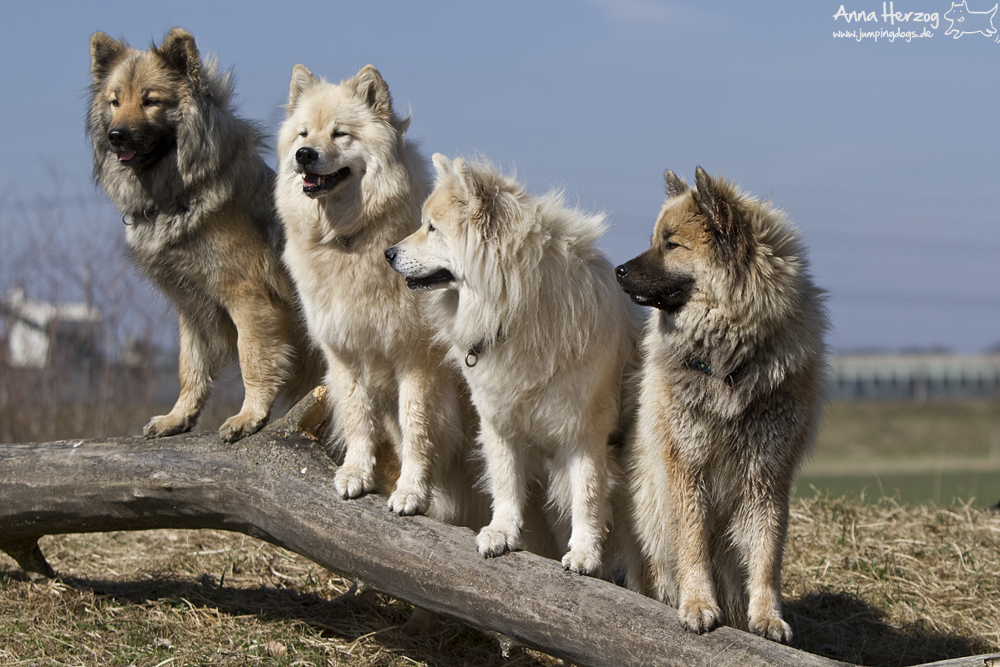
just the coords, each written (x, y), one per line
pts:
(729, 403)
(349, 186)
(529, 309)
(197, 199)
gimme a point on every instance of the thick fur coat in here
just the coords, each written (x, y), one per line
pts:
(529, 310)
(201, 224)
(349, 186)
(729, 403)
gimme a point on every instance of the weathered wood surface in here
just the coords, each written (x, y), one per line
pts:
(278, 486)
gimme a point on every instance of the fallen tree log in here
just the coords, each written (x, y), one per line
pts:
(278, 486)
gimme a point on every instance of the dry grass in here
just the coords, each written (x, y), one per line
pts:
(889, 584)
(163, 598)
(874, 584)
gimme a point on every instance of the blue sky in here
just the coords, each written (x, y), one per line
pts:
(884, 153)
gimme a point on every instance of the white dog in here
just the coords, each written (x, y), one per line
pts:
(349, 186)
(532, 314)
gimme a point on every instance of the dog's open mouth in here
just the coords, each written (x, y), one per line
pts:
(670, 300)
(314, 184)
(431, 281)
(142, 157)
(649, 300)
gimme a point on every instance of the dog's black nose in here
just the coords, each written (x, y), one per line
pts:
(118, 136)
(390, 254)
(621, 271)
(306, 155)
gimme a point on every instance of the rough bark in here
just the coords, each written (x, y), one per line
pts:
(278, 486)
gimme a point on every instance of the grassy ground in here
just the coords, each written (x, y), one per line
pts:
(868, 583)
(869, 577)
(208, 597)
(880, 583)
(938, 451)
(908, 429)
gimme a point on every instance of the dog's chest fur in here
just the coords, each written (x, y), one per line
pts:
(732, 437)
(354, 302)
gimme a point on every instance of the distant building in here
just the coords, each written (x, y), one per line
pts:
(39, 333)
(914, 376)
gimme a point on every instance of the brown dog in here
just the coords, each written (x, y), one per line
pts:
(197, 199)
(729, 403)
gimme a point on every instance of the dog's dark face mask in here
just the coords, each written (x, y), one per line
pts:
(139, 95)
(649, 281)
(699, 231)
(141, 146)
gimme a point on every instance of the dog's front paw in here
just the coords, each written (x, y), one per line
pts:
(164, 425)
(495, 541)
(409, 501)
(352, 481)
(773, 628)
(582, 561)
(700, 615)
(240, 426)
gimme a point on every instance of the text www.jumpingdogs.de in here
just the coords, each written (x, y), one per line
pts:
(890, 16)
(891, 35)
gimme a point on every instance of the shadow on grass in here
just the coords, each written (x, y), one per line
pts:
(836, 625)
(341, 620)
(841, 626)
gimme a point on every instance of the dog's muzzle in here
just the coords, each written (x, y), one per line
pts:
(665, 294)
(430, 281)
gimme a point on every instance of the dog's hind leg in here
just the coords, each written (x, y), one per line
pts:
(197, 362)
(648, 510)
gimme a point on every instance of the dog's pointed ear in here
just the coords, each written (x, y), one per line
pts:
(369, 85)
(675, 186)
(712, 203)
(302, 80)
(180, 52)
(492, 208)
(466, 176)
(105, 53)
(442, 165)
(720, 203)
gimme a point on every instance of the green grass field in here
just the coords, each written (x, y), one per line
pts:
(938, 451)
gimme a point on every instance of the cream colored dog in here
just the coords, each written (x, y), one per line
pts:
(350, 186)
(530, 311)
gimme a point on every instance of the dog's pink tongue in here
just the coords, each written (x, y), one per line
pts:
(126, 156)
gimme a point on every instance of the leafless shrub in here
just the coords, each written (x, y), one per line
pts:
(97, 378)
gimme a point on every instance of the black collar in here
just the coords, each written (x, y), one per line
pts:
(703, 366)
(143, 215)
(472, 357)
